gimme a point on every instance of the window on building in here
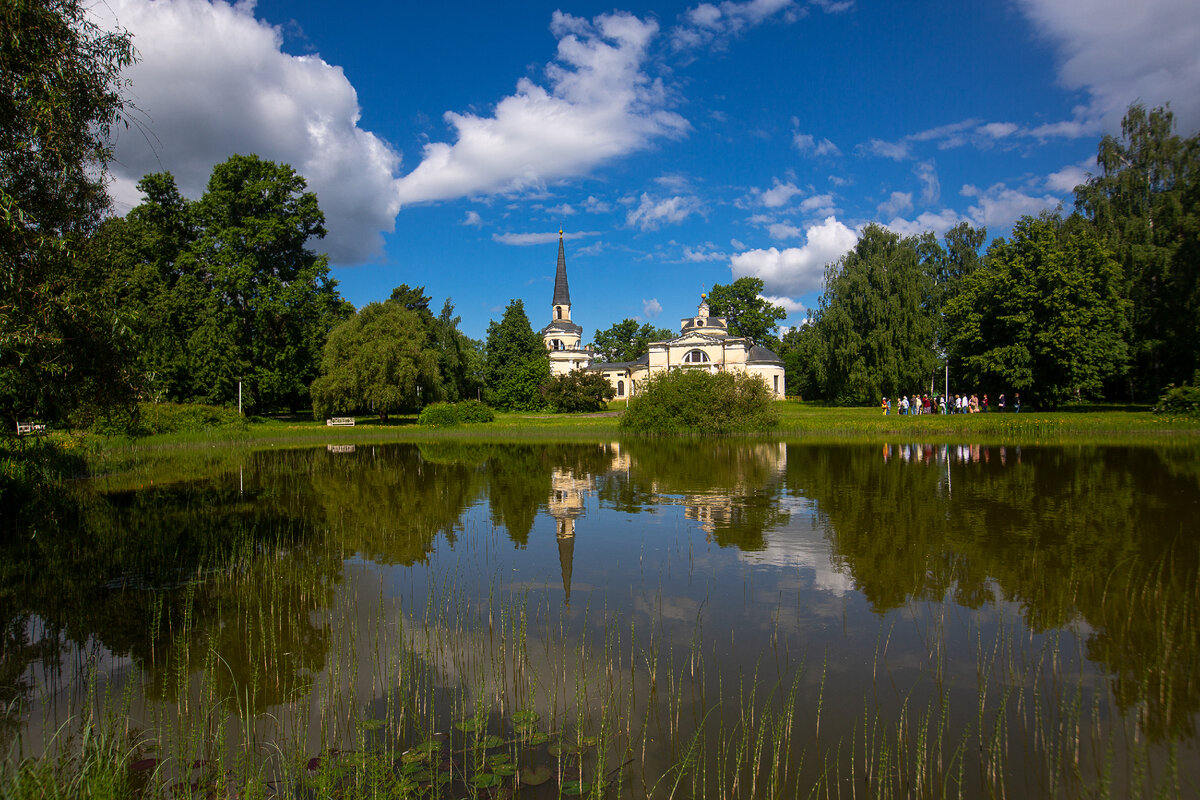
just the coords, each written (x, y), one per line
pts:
(555, 344)
(558, 312)
(776, 384)
(620, 388)
(695, 357)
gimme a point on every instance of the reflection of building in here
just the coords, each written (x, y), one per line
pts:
(723, 509)
(567, 494)
(703, 343)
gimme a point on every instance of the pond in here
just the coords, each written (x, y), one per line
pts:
(638, 619)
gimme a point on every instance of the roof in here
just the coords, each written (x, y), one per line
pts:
(562, 295)
(642, 361)
(563, 326)
(760, 353)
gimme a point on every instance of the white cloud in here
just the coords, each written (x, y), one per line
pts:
(600, 106)
(937, 221)
(931, 187)
(562, 210)
(779, 194)
(1066, 179)
(651, 308)
(818, 205)
(1121, 52)
(212, 81)
(703, 252)
(898, 203)
(998, 130)
(473, 219)
(796, 270)
(651, 213)
(596, 206)
(784, 230)
(999, 206)
(525, 239)
(897, 151)
(789, 305)
(714, 24)
(807, 143)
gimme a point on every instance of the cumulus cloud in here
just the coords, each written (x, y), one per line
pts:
(779, 194)
(931, 187)
(792, 307)
(562, 210)
(473, 219)
(784, 230)
(937, 221)
(1066, 179)
(998, 206)
(652, 213)
(526, 239)
(213, 81)
(1122, 52)
(601, 105)
(596, 206)
(898, 203)
(818, 205)
(703, 252)
(715, 23)
(897, 151)
(651, 308)
(796, 270)
(807, 144)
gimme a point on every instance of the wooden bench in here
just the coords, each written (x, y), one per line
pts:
(30, 427)
(336, 421)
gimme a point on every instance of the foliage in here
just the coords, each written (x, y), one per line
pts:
(747, 313)
(1145, 204)
(60, 346)
(1183, 399)
(225, 288)
(702, 402)
(376, 360)
(578, 390)
(627, 341)
(443, 414)
(1044, 316)
(874, 330)
(517, 363)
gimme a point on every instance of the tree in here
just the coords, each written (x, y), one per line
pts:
(59, 97)
(626, 341)
(1145, 204)
(517, 363)
(1045, 315)
(874, 325)
(377, 360)
(578, 390)
(748, 314)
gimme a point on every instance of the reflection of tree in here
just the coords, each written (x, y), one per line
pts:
(1097, 533)
(732, 488)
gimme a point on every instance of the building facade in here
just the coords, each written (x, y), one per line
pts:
(704, 342)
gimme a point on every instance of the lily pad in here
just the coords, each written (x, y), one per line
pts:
(575, 788)
(588, 741)
(485, 780)
(537, 737)
(499, 758)
(417, 755)
(505, 770)
(492, 740)
(525, 717)
(535, 776)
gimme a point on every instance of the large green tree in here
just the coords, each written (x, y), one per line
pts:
(517, 362)
(1145, 204)
(378, 360)
(627, 341)
(874, 329)
(60, 94)
(749, 315)
(1045, 315)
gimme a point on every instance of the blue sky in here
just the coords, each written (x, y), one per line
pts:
(678, 145)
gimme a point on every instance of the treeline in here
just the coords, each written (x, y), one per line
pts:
(1101, 303)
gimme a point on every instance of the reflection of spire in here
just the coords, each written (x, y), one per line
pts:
(566, 553)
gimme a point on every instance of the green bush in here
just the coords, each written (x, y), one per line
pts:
(440, 415)
(578, 390)
(153, 418)
(1181, 399)
(701, 402)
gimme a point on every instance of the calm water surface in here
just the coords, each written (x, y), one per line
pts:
(723, 619)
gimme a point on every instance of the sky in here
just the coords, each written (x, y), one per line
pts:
(676, 145)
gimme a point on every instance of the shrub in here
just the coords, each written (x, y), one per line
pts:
(440, 415)
(155, 418)
(578, 390)
(1181, 399)
(701, 402)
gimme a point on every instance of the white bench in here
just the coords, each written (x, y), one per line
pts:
(30, 427)
(335, 421)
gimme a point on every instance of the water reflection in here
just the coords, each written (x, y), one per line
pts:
(784, 547)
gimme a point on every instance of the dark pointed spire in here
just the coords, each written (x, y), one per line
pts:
(562, 295)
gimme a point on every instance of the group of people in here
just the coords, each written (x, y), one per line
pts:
(953, 404)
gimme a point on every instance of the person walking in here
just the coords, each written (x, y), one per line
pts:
(1001, 402)
(983, 404)
(1016, 402)
(884, 405)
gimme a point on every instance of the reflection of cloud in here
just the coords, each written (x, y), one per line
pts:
(803, 548)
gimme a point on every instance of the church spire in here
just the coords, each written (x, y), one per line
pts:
(562, 295)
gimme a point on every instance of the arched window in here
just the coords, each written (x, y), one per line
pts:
(620, 388)
(695, 357)
(558, 312)
(555, 344)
